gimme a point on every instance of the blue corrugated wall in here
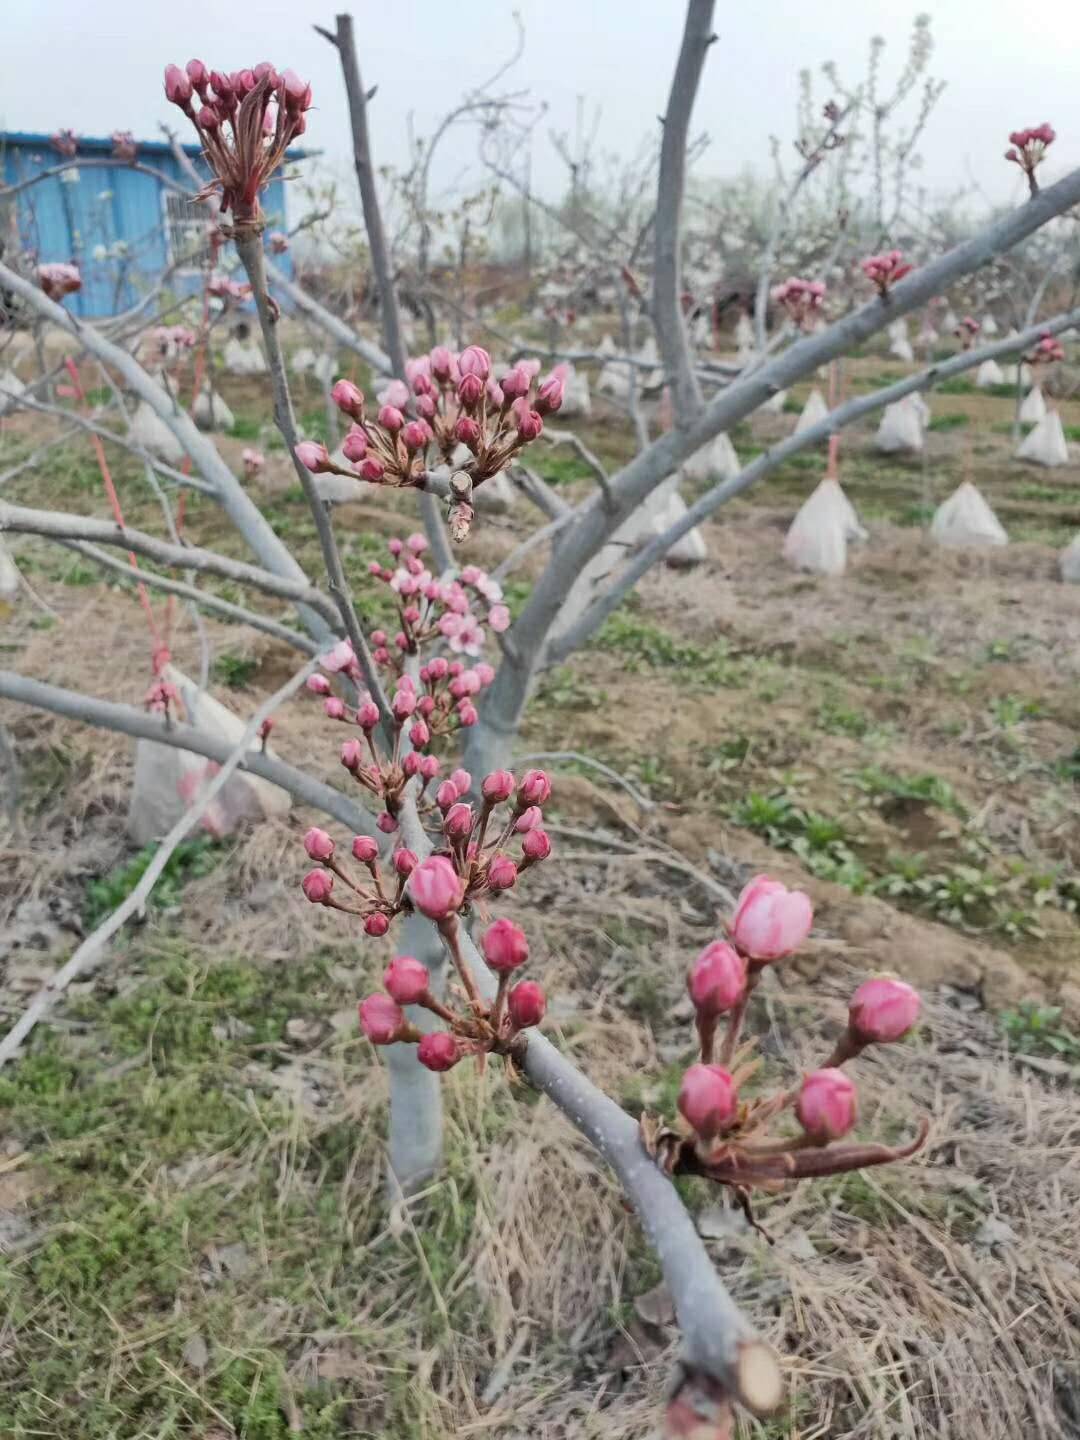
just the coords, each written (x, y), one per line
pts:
(84, 218)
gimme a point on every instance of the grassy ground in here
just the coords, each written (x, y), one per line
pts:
(193, 1234)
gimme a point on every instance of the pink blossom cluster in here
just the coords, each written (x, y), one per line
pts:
(453, 399)
(65, 142)
(277, 242)
(165, 342)
(246, 121)
(221, 287)
(59, 279)
(967, 331)
(123, 145)
(432, 611)
(803, 300)
(1048, 350)
(1027, 148)
(885, 270)
(729, 1140)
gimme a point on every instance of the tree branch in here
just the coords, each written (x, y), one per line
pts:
(127, 720)
(345, 42)
(671, 184)
(56, 525)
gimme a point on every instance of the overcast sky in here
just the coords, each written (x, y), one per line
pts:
(97, 67)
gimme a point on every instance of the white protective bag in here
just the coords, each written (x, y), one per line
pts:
(989, 326)
(899, 344)
(813, 411)
(210, 411)
(901, 428)
(818, 536)
(10, 385)
(1069, 561)
(775, 403)
(713, 462)
(744, 336)
(9, 576)
(1046, 443)
(576, 402)
(989, 373)
(244, 359)
(966, 519)
(167, 779)
(303, 360)
(1032, 407)
(147, 430)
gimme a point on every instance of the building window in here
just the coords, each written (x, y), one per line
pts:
(188, 234)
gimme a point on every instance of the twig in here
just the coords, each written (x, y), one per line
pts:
(89, 952)
(595, 464)
(576, 758)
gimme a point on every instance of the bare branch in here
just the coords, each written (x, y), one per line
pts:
(56, 525)
(332, 324)
(667, 270)
(127, 720)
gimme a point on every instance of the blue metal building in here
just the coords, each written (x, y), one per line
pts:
(122, 226)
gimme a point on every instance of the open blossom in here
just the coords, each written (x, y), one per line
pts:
(770, 921)
(59, 279)
(885, 270)
(342, 656)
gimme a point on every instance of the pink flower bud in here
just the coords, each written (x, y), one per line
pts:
(530, 425)
(717, 981)
(208, 118)
(484, 672)
(376, 924)
(177, 86)
(405, 862)
(340, 657)
(535, 789)
(883, 1009)
(505, 946)
(438, 1051)
(526, 1004)
(770, 921)
(318, 844)
(826, 1107)
(198, 74)
(386, 822)
(403, 704)
(467, 713)
(435, 888)
(313, 456)
(462, 781)
(536, 845)
(446, 795)
(430, 766)
(467, 431)
(502, 873)
(529, 819)
(352, 756)
(426, 407)
(497, 786)
(426, 706)
(411, 764)
(365, 849)
(459, 821)
(474, 361)
(470, 390)
(318, 684)
(419, 735)
(348, 398)
(549, 396)
(391, 418)
(372, 470)
(414, 435)
(317, 885)
(499, 620)
(334, 708)
(367, 716)
(708, 1099)
(378, 637)
(406, 980)
(381, 1019)
(442, 362)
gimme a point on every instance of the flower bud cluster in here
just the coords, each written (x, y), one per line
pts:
(1027, 148)
(1048, 350)
(804, 301)
(885, 270)
(245, 120)
(59, 279)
